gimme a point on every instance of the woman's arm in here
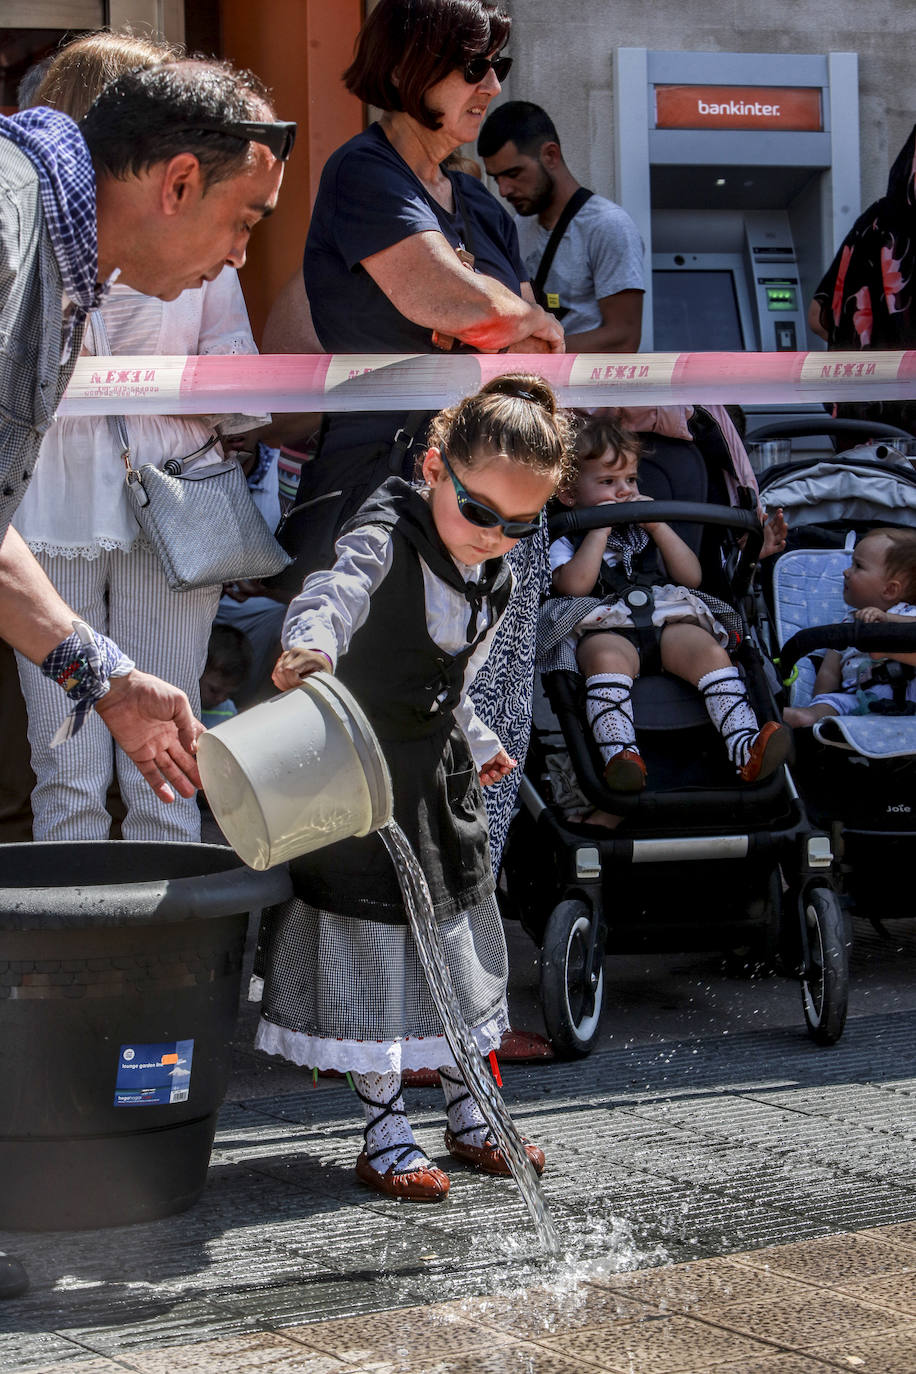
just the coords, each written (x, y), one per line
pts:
(425, 280)
(289, 327)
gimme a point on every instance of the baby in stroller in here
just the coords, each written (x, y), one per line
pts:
(880, 586)
(668, 620)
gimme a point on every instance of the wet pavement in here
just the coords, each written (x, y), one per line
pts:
(730, 1198)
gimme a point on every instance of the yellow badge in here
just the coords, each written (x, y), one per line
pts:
(553, 300)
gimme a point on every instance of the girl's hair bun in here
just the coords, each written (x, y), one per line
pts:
(523, 386)
(516, 415)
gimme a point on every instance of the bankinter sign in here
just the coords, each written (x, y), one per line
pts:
(796, 108)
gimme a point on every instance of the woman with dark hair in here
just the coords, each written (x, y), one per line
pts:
(865, 300)
(404, 255)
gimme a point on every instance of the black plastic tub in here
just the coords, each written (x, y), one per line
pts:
(120, 966)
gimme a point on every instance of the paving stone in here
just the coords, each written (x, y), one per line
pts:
(509, 1359)
(248, 1354)
(33, 1350)
(694, 1287)
(660, 1346)
(897, 1291)
(799, 1323)
(80, 1364)
(892, 1352)
(416, 1334)
(538, 1312)
(185, 1323)
(783, 1362)
(835, 1261)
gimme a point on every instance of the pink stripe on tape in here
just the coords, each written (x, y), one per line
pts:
(352, 382)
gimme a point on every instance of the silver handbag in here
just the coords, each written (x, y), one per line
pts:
(203, 524)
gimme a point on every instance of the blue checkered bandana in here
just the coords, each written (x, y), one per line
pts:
(83, 664)
(66, 178)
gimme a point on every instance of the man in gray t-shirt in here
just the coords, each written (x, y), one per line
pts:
(595, 282)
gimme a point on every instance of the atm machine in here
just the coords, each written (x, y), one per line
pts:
(751, 300)
(741, 171)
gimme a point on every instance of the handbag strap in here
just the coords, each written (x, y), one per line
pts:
(569, 212)
(116, 422)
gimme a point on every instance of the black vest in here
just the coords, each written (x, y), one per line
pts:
(408, 688)
(396, 672)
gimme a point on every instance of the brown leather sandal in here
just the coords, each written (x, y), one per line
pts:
(488, 1157)
(422, 1183)
(425, 1183)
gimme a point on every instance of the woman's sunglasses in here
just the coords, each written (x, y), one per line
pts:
(476, 68)
(476, 513)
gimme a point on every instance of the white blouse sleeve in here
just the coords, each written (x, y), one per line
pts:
(225, 328)
(334, 602)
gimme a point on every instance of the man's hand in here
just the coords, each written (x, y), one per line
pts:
(497, 767)
(295, 664)
(153, 724)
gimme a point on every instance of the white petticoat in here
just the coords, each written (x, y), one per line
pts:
(672, 603)
(362, 1056)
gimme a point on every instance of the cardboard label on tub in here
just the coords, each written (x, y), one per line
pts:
(153, 1075)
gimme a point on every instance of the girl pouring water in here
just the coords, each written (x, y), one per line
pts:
(405, 618)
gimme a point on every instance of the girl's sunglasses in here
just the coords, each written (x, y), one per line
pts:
(476, 68)
(476, 513)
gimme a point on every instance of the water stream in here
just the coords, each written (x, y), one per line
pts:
(419, 909)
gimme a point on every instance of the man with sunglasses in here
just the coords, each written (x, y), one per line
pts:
(584, 253)
(160, 187)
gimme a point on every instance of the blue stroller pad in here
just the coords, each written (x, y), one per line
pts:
(874, 737)
(807, 590)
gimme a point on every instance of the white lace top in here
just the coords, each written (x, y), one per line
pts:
(76, 504)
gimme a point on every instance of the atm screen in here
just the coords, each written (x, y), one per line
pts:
(696, 311)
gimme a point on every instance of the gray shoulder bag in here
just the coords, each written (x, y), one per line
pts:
(203, 524)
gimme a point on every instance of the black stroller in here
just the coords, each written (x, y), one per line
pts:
(696, 861)
(855, 773)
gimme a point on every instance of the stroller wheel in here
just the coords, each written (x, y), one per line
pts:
(572, 982)
(825, 974)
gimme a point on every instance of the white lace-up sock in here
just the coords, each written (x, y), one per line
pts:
(465, 1119)
(609, 712)
(725, 698)
(389, 1138)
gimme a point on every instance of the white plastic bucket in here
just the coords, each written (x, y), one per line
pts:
(295, 773)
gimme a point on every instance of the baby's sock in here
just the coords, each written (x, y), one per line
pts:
(464, 1116)
(725, 698)
(389, 1138)
(609, 712)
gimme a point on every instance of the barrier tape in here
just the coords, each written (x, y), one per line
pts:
(353, 381)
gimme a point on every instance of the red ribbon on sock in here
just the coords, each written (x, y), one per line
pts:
(495, 1067)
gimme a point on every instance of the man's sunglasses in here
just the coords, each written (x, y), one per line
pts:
(279, 136)
(476, 68)
(476, 513)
